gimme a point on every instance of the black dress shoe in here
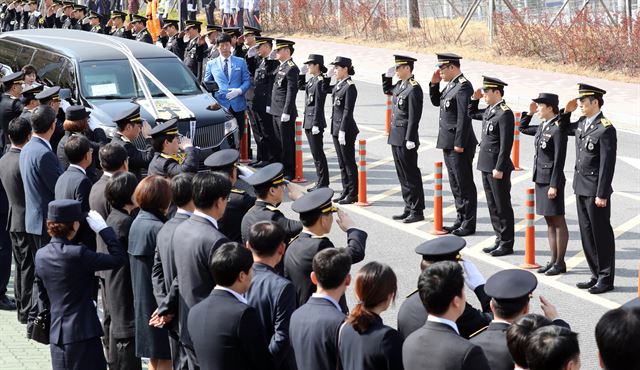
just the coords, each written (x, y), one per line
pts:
(348, 200)
(545, 268)
(587, 284)
(556, 270)
(7, 304)
(600, 288)
(502, 252)
(462, 232)
(450, 228)
(311, 189)
(260, 164)
(402, 216)
(413, 218)
(490, 249)
(339, 197)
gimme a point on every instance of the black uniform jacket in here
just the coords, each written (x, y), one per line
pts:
(316, 90)
(344, 95)
(263, 211)
(454, 123)
(12, 184)
(497, 136)
(138, 159)
(551, 150)
(237, 207)
(143, 36)
(380, 347)
(174, 44)
(169, 166)
(596, 146)
(406, 110)
(10, 108)
(285, 89)
(264, 78)
(299, 257)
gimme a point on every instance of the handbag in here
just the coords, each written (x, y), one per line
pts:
(41, 327)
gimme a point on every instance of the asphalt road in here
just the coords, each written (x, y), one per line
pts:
(393, 243)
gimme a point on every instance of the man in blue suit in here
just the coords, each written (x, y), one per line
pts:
(232, 76)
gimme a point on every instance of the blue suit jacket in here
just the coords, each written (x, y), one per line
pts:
(239, 79)
(40, 169)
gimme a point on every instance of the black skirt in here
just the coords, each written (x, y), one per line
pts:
(546, 206)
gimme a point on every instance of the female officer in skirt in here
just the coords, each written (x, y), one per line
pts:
(344, 128)
(548, 174)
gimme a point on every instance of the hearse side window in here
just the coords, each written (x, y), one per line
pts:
(48, 65)
(68, 77)
(24, 57)
(8, 52)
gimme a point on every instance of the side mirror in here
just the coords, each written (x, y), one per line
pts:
(211, 86)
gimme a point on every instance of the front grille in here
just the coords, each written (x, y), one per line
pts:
(209, 136)
(140, 142)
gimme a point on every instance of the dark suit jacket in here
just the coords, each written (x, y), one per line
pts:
(344, 97)
(274, 297)
(442, 348)
(263, 211)
(299, 257)
(98, 202)
(194, 242)
(227, 334)
(138, 159)
(314, 334)
(40, 170)
(231, 222)
(454, 123)
(74, 184)
(497, 136)
(12, 184)
(166, 166)
(550, 150)
(380, 348)
(97, 138)
(65, 280)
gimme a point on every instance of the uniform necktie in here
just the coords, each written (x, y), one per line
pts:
(226, 67)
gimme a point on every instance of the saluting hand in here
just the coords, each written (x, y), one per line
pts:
(344, 221)
(185, 142)
(601, 202)
(435, 78)
(550, 311)
(533, 108)
(390, 72)
(477, 94)
(571, 105)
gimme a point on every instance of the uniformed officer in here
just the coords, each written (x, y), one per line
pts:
(494, 160)
(249, 35)
(94, 22)
(264, 77)
(130, 125)
(456, 139)
(235, 33)
(212, 52)
(269, 184)
(80, 14)
(283, 105)
(403, 137)
(316, 90)
(115, 26)
(596, 144)
(168, 160)
(67, 19)
(316, 215)
(171, 38)
(140, 32)
(34, 15)
(550, 142)
(510, 292)
(51, 97)
(49, 19)
(10, 105)
(412, 314)
(344, 128)
(240, 202)
(195, 49)
(29, 100)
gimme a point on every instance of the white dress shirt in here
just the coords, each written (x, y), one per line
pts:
(78, 167)
(328, 298)
(235, 294)
(444, 321)
(204, 215)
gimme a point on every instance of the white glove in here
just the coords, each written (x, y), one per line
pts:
(273, 55)
(59, 13)
(331, 72)
(410, 145)
(315, 130)
(342, 138)
(268, 109)
(390, 72)
(285, 117)
(96, 222)
(233, 93)
(304, 70)
(244, 172)
(12, 6)
(472, 276)
(85, 20)
(253, 51)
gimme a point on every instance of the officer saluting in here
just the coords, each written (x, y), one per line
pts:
(166, 141)
(226, 161)
(264, 76)
(316, 90)
(403, 137)
(596, 144)
(456, 139)
(494, 160)
(115, 26)
(412, 314)
(10, 105)
(171, 38)
(94, 21)
(194, 51)
(139, 24)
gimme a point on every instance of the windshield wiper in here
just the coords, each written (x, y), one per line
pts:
(108, 97)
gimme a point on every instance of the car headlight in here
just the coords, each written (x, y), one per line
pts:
(230, 126)
(109, 131)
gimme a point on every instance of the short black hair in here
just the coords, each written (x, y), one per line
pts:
(208, 187)
(19, 130)
(112, 157)
(265, 237)
(263, 190)
(554, 107)
(227, 170)
(158, 142)
(42, 118)
(223, 37)
(228, 261)
(120, 189)
(518, 336)
(499, 89)
(76, 147)
(597, 98)
(439, 284)
(182, 188)
(309, 219)
(617, 336)
(551, 348)
(331, 266)
(509, 308)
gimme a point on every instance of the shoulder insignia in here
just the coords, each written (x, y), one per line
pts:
(294, 238)
(272, 208)
(413, 82)
(605, 122)
(412, 293)
(478, 332)
(291, 63)
(462, 79)
(237, 191)
(41, 21)
(350, 82)
(504, 107)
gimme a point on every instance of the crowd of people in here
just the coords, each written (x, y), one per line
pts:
(193, 272)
